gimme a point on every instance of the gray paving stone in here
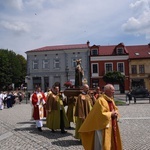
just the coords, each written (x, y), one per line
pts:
(17, 130)
(5, 135)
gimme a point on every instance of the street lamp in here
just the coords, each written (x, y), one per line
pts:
(67, 72)
(27, 78)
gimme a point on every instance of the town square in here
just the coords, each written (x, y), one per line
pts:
(18, 130)
(74, 75)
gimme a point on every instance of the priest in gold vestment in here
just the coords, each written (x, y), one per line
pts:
(56, 116)
(83, 106)
(100, 129)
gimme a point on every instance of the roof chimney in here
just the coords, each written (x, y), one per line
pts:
(88, 43)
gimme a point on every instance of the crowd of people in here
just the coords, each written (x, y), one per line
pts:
(93, 112)
(9, 98)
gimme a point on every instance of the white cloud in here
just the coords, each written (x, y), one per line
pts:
(15, 26)
(12, 4)
(141, 5)
(139, 24)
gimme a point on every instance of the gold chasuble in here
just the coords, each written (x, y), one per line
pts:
(99, 122)
(83, 107)
(53, 106)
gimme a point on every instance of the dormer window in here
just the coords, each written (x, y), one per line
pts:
(94, 52)
(120, 51)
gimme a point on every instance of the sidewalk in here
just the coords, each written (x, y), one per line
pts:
(121, 97)
(18, 132)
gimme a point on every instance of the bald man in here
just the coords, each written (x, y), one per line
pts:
(100, 129)
(83, 106)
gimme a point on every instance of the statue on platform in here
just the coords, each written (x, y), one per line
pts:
(79, 73)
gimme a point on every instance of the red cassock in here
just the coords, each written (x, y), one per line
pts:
(36, 113)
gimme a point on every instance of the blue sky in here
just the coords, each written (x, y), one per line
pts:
(30, 24)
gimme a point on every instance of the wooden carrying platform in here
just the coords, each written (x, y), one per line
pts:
(72, 92)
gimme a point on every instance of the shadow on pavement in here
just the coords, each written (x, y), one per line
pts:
(27, 122)
(46, 132)
(66, 143)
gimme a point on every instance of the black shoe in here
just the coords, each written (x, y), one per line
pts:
(40, 129)
(53, 130)
(70, 127)
(63, 131)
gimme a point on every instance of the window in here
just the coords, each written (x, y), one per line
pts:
(108, 67)
(36, 81)
(45, 64)
(94, 52)
(94, 68)
(56, 64)
(73, 62)
(95, 83)
(141, 69)
(134, 69)
(120, 51)
(120, 67)
(35, 64)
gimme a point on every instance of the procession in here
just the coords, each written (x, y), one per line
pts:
(80, 110)
(74, 75)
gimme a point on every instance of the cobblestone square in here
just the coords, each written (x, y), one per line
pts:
(17, 130)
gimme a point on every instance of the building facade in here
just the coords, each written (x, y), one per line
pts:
(139, 66)
(131, 61)
(51, 64)
(105, 59)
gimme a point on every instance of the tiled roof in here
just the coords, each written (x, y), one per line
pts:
(59, 47)
(106, 50)
(135, 51)
(139, 51)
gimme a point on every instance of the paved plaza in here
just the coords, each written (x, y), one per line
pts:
(17, 130)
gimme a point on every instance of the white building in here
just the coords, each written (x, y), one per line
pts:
(51, 64)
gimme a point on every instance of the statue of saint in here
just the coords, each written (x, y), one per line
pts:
(79, 73)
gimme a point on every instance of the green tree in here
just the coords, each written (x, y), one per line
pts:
(23, 69)
(5, 75)
(12, 70)
(114, 77)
